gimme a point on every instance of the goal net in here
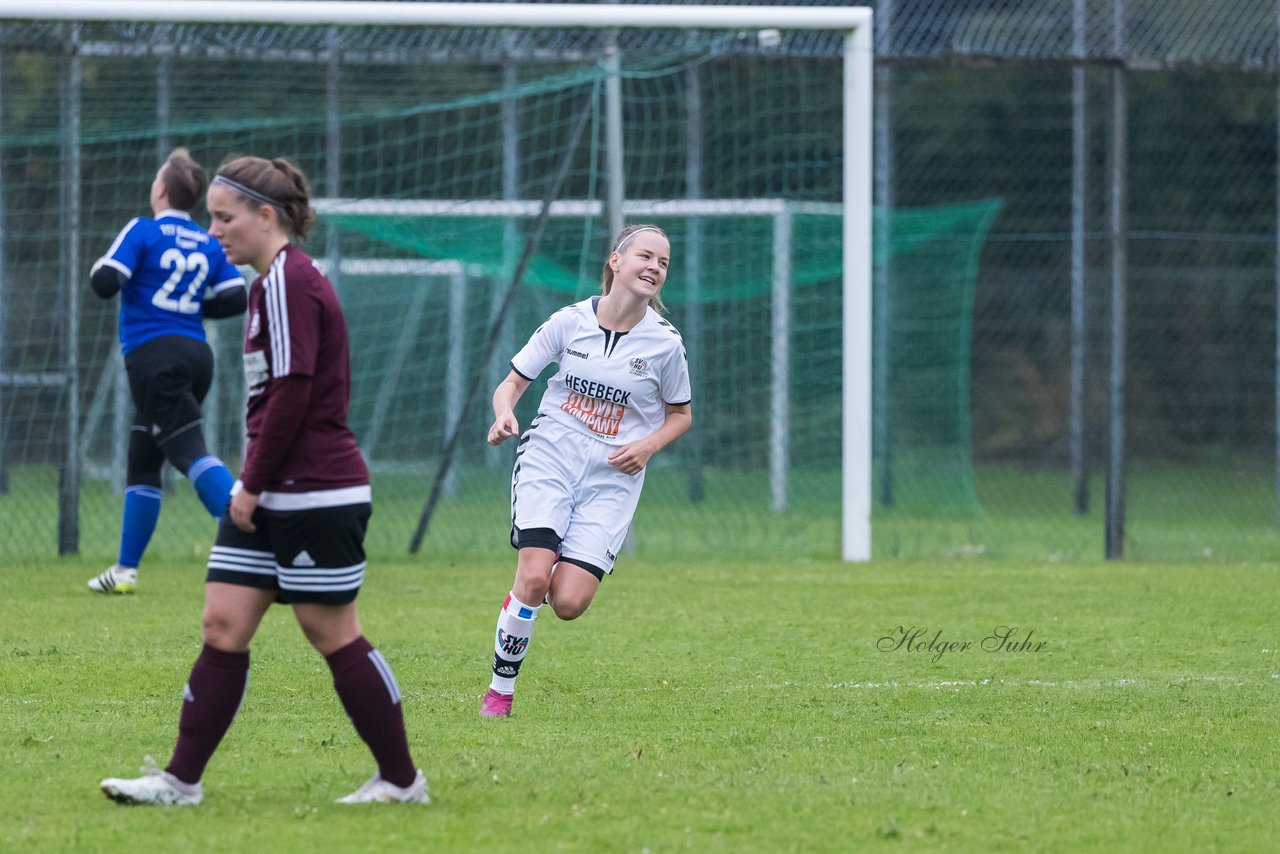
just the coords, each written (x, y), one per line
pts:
(431, 143)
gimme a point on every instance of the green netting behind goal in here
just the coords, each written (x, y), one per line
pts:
(923, 441)
(924, 459)
(427, 162)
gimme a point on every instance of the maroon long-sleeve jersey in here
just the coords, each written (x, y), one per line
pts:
(301, 452)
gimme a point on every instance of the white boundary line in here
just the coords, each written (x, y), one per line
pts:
(1075, 684)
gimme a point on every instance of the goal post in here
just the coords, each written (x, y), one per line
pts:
(762, 26)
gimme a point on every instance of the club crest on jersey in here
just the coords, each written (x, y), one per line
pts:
(637, 366)
(254, 325)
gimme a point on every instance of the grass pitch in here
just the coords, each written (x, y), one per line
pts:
(702, 706)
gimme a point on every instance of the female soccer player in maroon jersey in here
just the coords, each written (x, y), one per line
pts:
(295, 529)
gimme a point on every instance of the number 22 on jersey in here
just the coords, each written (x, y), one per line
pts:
(179, 265)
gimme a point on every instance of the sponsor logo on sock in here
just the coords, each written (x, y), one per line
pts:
(506, 670)
(303, 559)
(512, 645)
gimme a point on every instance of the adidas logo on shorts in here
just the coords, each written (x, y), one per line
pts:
(303, 559)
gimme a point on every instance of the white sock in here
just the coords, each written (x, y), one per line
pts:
(511, 643)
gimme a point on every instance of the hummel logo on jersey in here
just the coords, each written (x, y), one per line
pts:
(303, 559)
(575, 353)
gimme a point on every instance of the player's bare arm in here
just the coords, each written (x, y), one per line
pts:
(505, 397)
(632, 458)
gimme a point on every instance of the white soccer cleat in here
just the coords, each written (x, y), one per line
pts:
(155, 786)
(116, 579)
(379, 791)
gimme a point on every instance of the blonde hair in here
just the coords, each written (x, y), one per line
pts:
(624, 237)
(273, 182)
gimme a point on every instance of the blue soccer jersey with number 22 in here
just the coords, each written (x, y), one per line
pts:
(169, 264)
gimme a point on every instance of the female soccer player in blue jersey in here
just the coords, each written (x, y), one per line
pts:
(620, 394)
(295, 530)
(170, 275)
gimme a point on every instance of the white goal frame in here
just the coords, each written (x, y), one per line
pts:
(854, 22)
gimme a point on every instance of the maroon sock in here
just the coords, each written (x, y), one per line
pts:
(368, 691)
(213, 695)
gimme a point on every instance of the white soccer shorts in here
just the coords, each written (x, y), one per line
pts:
(562, 480)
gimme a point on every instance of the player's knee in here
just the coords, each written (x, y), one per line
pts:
(569, 608)
(217, 632)
(223, 631)
(533, 574)
(185, 447)
(327, 631)
(531, 588)
(573, 586)
(143, 464)
(322, 641)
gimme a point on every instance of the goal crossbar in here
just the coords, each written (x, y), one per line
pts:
(371, 12)
(562, 208)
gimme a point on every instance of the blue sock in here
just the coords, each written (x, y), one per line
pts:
(141, 510)
(213, 482)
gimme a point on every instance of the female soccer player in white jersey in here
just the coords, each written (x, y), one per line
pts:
(170, 275)
(295, 530)
(620, 395)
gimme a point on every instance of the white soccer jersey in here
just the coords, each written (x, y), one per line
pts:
(613, 386)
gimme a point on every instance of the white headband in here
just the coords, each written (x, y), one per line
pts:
(624, 241)
(247, 191)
